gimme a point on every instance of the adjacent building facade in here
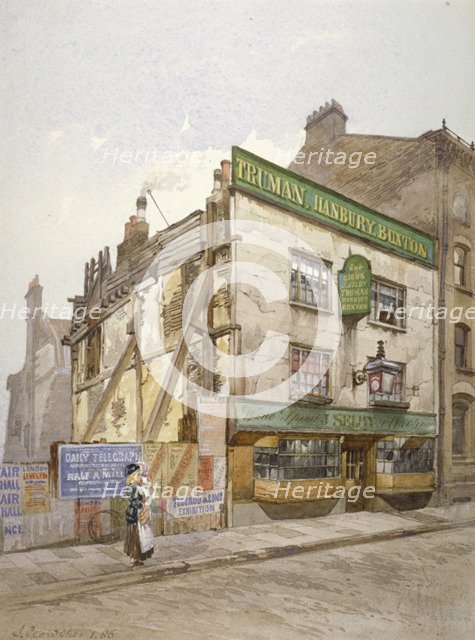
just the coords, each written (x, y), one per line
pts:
(428, 182)
(40, 402)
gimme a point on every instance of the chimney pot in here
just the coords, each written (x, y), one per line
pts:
(141, 207)
(35, 282)
(218, 178)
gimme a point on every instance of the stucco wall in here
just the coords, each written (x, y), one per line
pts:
(413, 346)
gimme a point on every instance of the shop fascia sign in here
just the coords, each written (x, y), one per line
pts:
(287, 189)
(341, 421)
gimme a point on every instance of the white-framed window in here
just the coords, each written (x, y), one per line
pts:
(310, 281)
(311, 369)
(385, 299)
(461, 266)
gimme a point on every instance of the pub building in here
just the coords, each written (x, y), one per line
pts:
(356, 394)
(369, 420)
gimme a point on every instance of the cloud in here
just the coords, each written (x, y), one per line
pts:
(280, 152)
(324, 36)
(96, 143)
(57, 134)
(182, 180)
(186, 124)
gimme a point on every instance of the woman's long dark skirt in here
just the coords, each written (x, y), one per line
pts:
(132, 544)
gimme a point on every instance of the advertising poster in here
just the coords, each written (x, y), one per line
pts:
(10, 500)
(94, 470)
(34, 482)
(208, 502)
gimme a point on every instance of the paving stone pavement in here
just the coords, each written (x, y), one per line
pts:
(408, 588)
(22, 572)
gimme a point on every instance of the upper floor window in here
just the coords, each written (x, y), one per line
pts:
(460, 266)
(461, 345)
(459, 419)
(461, 205)
(311, 372)
(385, 299)
(310, 281)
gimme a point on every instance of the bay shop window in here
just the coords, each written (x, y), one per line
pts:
(296, 459)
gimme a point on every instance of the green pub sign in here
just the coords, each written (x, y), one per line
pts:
(284, 188)
(354, 286)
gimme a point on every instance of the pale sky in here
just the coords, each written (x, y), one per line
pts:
(85, 81)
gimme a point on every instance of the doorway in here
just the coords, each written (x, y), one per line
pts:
(354, 474)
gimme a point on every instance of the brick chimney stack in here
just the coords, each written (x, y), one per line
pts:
(325, 124)
(135, 231)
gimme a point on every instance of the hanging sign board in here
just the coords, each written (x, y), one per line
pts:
(354, 286)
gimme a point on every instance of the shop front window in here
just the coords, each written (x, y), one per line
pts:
(296, 459)
(405, 455)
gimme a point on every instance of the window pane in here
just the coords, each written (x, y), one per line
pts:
(309, 281)
(385, 299)
(294, 460)
(461, 336)
(311, 372)
(459, 266)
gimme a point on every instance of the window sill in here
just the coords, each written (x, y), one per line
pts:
(399, 491)
(465, 370)
(320, 400)
(460, 459)
(403, 406)
(466, 290)
(309, 307)
(391, 327)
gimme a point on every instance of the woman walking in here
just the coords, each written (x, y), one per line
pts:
(139, 535)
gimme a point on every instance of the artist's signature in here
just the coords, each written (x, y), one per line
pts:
(62, 632)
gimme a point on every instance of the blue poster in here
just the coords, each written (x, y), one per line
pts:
(94, 470)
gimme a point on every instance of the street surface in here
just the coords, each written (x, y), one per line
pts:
(414, 588)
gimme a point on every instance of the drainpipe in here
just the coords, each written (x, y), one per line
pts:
(444, 161)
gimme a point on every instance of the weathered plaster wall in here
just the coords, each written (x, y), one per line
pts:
(413, 346)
